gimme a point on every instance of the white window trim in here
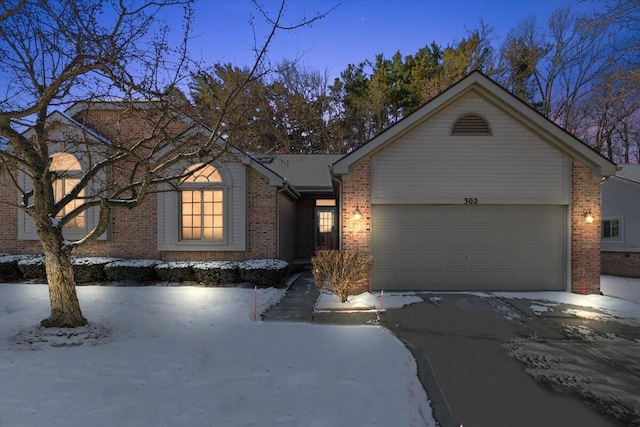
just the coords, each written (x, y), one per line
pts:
(27, 228)
(234, 177)
(225, 213)
(620, 237)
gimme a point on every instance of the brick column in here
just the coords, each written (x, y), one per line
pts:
(585, 237)
(356, 194)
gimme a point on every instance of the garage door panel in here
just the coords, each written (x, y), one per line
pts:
(384, 260)
(481, 236)
(433, 258)
(454, 238)
(455, 247)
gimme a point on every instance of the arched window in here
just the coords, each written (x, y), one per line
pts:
(471, 125)
(68, 170)
(202, 198)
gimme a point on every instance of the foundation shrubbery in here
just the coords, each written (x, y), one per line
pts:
(342, 272)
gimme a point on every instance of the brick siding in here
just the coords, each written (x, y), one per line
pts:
(624, 264)
(286, 228)
(356, 194)
(133, 232)
(585, 238)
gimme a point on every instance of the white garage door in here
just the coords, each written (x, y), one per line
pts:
(474, 247)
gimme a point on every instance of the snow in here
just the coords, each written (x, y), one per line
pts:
(621, 287)
(212, 265)
(93, 260)
(30, 259)
(192, 356)
(134, 263)
(366, 301)
(608, 307)
(263, 264)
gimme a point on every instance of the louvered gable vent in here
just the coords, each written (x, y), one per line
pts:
(471, 124)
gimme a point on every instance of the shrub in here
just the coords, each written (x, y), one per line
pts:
(90, 269)
(9, 268)
(264, 272)
(140, 270)
(176, 271)
(342, 272)
(216, 273)
(32, 267)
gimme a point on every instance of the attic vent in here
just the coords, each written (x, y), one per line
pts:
(471, 124)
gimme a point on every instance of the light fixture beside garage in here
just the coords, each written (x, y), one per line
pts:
(357, 215)
(588, 216)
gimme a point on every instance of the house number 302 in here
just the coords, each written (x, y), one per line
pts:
(471, 201)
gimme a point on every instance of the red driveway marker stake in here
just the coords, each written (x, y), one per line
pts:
(255, 304)
(584, 282)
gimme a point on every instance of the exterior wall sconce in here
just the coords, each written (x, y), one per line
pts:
(357, 214)
(588, 216)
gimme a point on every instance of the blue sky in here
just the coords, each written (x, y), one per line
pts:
(357, 29)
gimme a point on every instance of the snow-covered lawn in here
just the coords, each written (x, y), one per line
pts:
(189, 356)
(621, 287)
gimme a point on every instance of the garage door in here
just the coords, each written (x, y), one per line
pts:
(468, 247)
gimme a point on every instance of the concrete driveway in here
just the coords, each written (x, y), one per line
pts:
(487, 361)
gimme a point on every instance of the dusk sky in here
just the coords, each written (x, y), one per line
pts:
(357, 29)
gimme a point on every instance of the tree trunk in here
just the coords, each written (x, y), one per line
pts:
(65, 308)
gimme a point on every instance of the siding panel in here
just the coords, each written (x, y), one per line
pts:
(514, 165)
(621, 200)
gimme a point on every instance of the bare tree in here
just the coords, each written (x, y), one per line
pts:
(555, 69)
(87, 52)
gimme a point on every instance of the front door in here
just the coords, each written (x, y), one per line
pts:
(326, 230)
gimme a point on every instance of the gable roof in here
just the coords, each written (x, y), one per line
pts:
(274, 178)
(70, 127)
(518, 109)
(309, 173)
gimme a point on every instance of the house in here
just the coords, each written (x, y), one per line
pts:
(620, 244)
(254, 210)
(475, 190)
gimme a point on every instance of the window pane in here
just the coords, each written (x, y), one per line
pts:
(202, 174)
(62, 162)
(325, 222)
(208, 233)
(202, 214)
(217, 209)
(187, 233)
(615, 228)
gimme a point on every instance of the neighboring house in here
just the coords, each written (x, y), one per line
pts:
(620, 243)
(475, 190)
